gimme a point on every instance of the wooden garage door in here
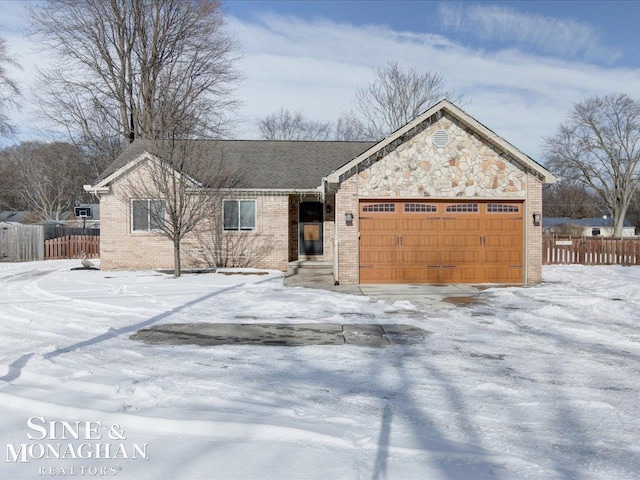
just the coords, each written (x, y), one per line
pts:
(441, 242)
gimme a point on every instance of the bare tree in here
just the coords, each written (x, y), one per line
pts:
(570, 200)
(599, 147)
(287, 125)
(391, 100)
(9, 186)
(9, 90)
(129, 69)
(178, 190)
(45, 178)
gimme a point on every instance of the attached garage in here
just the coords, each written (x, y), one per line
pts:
(410, 241)
(442, 200)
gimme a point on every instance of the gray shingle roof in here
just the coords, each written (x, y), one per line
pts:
(267, 164)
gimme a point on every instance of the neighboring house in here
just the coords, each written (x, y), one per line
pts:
(22, 216)
(65, 219)
(585, 227)
(441, 200)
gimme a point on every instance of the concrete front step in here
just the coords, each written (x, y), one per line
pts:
(310, 266)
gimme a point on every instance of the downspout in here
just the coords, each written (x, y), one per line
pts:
(525, 255)
(336, 256)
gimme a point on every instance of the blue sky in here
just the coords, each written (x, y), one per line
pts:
(519, 65)
(589, 25)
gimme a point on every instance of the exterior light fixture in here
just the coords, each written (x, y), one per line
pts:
(348, 217)
(537, 218)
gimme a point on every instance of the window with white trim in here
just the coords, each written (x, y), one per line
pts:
(147, 215)
(239, 215)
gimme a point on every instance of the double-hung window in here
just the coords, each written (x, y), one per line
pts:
(147, 215)
(239, 215)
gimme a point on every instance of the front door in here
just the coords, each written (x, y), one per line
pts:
(311, 218)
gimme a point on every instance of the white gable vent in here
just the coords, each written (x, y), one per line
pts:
(441, 138)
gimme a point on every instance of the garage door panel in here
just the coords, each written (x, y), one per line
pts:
(458, 258)
(426, 240)
(430, 257)
(512, 258)
(380, 275)
(503, 275)
(374, 226)
(462, 240)
(441, 242)
(458, 275)
(421, 275)
(503, 241)
(375, 258)
(461, 224)
(421, 224)
(503, 224)
(377, 241)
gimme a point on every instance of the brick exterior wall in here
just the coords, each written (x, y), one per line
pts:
(120, 248)
(443, 175)
(348, 236)
(533, 240)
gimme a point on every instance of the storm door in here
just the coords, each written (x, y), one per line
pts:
(311, 218)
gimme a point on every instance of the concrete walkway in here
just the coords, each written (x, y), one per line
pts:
(281, 334)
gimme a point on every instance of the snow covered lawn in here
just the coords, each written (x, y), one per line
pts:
(537, 383)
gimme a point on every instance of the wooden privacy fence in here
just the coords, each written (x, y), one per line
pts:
(590, 251)
(72, 246)
(55, 231)
(21, 243)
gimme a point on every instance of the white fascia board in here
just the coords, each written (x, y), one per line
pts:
(123, 170)
(146, 156)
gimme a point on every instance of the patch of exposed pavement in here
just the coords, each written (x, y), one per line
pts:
(281, 334)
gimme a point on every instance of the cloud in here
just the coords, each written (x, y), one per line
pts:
(316, 65)
(502, 24)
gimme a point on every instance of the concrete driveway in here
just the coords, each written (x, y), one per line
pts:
(437, 296)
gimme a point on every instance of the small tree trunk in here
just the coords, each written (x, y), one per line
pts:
(176, 258)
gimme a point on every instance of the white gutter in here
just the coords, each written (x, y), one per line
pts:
(336, 256)
(95, 190)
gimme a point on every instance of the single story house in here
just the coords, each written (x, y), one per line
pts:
(585, 227)
(19, 216)
(64, 218)
(443, 199)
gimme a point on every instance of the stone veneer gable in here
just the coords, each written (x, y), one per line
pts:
(466, 167)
